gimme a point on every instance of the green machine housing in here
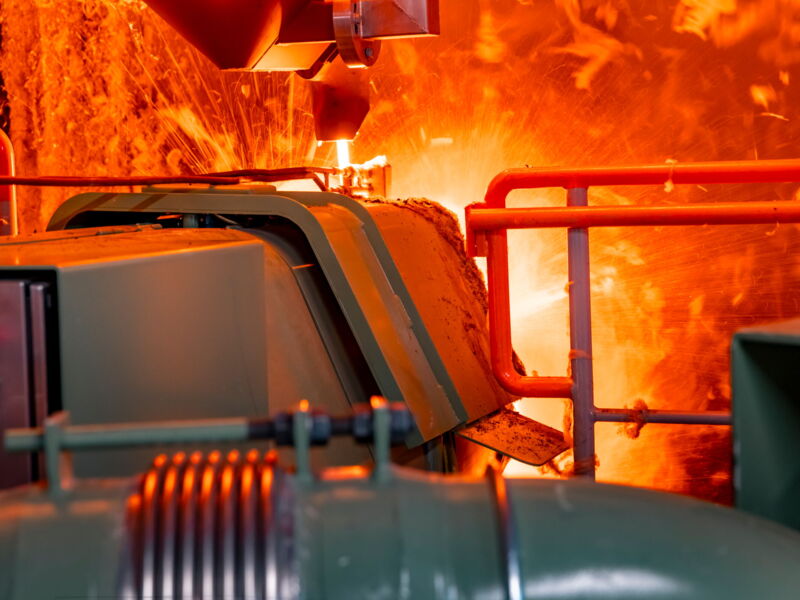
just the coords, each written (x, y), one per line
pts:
(203, 303)
(206, 525)
(765, 367)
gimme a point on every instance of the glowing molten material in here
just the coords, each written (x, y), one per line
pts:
(343, 153)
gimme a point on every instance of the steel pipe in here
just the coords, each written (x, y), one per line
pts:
(761, 171)
(507, 534)
(47, 181)
(360, 425)
(9, 219)
(487, 226)
(500, 328)
(751, 213)
(124, 435)
(666, 417)
(580, 336)
(195, 524)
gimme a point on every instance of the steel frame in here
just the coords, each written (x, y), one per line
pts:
(487, 226)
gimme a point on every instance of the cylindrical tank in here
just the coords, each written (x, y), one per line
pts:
(211, 526)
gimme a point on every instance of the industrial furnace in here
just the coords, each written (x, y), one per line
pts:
(249, 382)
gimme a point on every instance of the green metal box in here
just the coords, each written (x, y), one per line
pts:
(765, 366)
(149, 325)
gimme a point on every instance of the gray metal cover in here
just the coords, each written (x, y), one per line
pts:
(765, 373)
(361, 272)
(154, 325)
(14, 376)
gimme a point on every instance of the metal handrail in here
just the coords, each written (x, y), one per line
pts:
(9, 221)
(487, 226)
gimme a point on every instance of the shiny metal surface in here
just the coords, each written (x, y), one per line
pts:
(348, 23)
(169, 516)
(507, 530)
(400, 18)
(190, 488)
(205, 527)
(15, 389)
(349, 535)
(248, 511)
(39, 300)
(294, 34)
(580, 331)
(234, 34)
(298, 35)
(150, 500)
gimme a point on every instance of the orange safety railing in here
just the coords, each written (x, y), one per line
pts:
(488, 223)
(8, 195)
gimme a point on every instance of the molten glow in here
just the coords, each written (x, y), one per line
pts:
(150, 485)
(378, 402)
(343, 153)
(188, 482)
(170, 480)
(207, 482)
(247, 478)
(227, 480)
(346, 473)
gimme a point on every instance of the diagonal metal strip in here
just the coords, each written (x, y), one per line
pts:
(516, 436)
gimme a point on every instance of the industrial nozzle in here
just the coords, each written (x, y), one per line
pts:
(340, 102)
(292, 35)
(303, 36)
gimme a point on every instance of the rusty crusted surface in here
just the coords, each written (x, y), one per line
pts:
(448, 291)
(517, 436)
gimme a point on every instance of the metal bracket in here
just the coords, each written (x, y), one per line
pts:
(382, 436)
(356, 52)
(57, 462)
(301, 430)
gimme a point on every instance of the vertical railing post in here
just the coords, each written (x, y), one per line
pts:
(8, 198)
(580, 327)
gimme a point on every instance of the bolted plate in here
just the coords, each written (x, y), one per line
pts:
(516, 436)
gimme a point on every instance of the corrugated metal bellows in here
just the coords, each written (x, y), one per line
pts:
(210, 526)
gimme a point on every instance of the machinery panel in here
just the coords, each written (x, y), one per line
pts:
(155, 325)
(14, 375)
(766, 418)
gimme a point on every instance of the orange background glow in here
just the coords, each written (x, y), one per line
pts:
(103, 87)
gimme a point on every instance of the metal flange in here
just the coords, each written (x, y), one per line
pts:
(356, 52)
